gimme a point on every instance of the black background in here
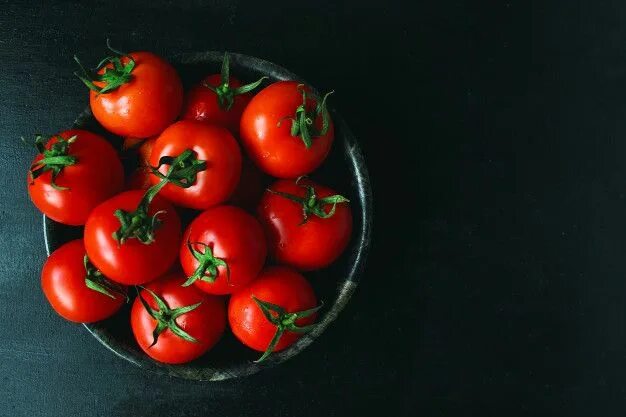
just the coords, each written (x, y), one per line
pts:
(495, 137)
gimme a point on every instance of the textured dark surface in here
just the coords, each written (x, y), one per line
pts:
(496, 284)
(344, 170)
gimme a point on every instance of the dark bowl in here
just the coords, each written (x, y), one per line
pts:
(344, 170)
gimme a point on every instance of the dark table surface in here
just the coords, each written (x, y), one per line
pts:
(495, 134)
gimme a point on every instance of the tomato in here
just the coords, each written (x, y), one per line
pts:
(64, 281)
(277, 135)
(142, 254)
(222, 250)
(219, 99)
(75, 171)
(187, 321)
(307, 225)
(137, 94)
(273, 311)
(212, 144)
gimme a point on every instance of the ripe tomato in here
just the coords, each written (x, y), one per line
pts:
(75, 171)
(307, 225)
(219, 99)
(176, 324)
(283, 136)
(130, 261)
(273, 311)
(212, 144)
(65, 278)
(137, 94)
(222, 250)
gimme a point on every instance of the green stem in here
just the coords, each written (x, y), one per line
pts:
(55, 158)
(225, 93)
(115, 72)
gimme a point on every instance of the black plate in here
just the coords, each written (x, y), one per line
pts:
(344, 170)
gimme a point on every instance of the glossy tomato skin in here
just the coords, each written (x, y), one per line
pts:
(212, 144)
(145, 105)
(131, 262)
(201, 104)
(235, 237)
(309, 246)
(277, 285)
(96, 176)
(206, 323)
(271, 147)
(63, 284)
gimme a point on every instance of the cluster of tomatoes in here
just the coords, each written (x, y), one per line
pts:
(239, 260)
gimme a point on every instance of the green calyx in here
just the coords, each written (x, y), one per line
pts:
(303, 122)
(166, 317)
(311, 204)
(114, 76)
(54, 159)
(94, 280)
(138, 224)
(208, 264)
(225, 93)
(283, 321)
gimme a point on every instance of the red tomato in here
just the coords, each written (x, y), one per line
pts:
(311, 244)
(132, 262)
(202, 104)
(139, 98)
(275, 287)
(223, 249)
(266, 131)
(63, 280)
(89, 172)
(212, 144)
(189, 322)
(219, 99)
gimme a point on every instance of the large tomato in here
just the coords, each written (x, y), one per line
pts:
(137, 94)
(75, 171)
(307, 225)
(222, 250)
(215, 147)
(75, 289)
(176, 324)
(286, 131)
(144, 250)
(273, 311)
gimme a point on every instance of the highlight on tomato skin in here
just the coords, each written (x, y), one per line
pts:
(188, 322)
(74, 172)
(65, 282)
(305, 243)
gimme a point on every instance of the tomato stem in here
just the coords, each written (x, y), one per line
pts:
(225, 93)
(208, 264)
(54, 159)
(166, 317)
(303, 122)
(115, 73)
(283, 321)
(311, 204)
(94, 280)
